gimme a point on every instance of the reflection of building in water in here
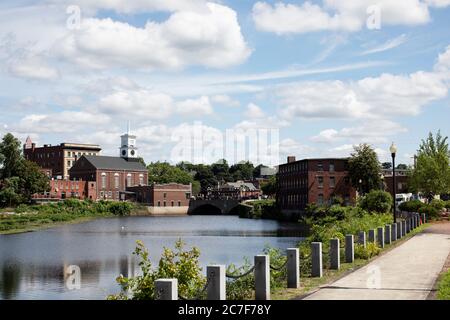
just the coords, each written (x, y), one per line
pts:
(9, 281)
(127, 266)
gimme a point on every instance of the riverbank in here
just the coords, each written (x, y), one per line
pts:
(309, 285)
(37, 217)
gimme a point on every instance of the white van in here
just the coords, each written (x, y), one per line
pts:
(402, 197)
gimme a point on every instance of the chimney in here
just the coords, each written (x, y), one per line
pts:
(290, 159)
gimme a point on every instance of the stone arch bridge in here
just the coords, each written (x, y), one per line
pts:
(214, 207)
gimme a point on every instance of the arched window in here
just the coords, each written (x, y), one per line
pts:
(129, 180)
(116, 181)
(141, 179)
(103, 180)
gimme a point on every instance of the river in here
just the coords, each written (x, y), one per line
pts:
(32, 265)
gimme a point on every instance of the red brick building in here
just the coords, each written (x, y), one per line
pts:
(60, 158)
(401, 180)
(63, 189)
(313, 181)
(113, 175)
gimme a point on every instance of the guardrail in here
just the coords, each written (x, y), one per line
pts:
(215, 286)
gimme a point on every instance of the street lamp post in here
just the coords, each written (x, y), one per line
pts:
(393, 150)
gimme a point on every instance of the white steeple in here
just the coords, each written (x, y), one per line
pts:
(128, 148)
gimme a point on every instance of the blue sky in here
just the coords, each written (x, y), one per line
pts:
(325, 75)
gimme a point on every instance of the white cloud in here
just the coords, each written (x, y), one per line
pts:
(338, 15)
(212, 38)
(388, 45)
(195, 107)
(254, 112)
(34, 69)
(372, 97)
(225, 100)
(368, 132)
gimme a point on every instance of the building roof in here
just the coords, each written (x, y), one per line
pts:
(316, 159)
(240, 184)
(114, 163)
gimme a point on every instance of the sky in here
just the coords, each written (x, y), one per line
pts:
(236, 79)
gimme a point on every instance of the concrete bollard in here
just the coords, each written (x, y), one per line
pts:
(417, 220)
(387, 234)
(362, 238)
(424, 218)
(316, 257)
(415, 225)
(217, 282)
(262, 277)
(380, 237)
(404, 227)
(394, 232)
(349, 248)
(408, 225)
(372, 235)
(399, 230)
(335, 254)
(293, 268)
(166, 289)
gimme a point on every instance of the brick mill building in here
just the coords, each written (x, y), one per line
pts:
(57, 160)
(313, 181)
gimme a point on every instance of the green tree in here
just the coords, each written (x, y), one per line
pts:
(386, 165)
(9, 193)
(242, 171)
(402, 166)
(431, 176)
(206, 177)
(163, 172)
(10, 155)
(270, 187)
(31, 179)
(364, 169)
(221, 170)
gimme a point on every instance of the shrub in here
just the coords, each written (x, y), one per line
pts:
(444, 287)
(371, 250)
(377, 201)
(438, 204)
(179, 264)
(411, 206)
(21, 208)
(120, 208)
(447, 204)
(431, 212)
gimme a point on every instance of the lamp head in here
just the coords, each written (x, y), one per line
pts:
(393, 149)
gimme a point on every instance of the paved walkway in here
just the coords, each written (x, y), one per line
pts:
(407, 272)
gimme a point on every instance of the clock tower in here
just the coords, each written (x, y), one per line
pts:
(128, 148)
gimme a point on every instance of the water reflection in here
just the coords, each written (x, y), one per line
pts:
(34, 265)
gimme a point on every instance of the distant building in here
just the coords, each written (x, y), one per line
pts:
(171, 198)
(60, 158)
(310, 181)
(401, 180)
(63, 189)
(239, 190)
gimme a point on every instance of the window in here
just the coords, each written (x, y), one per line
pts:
(172, 203)
(332, 182)
(68, 163)
(320, 181)
(116, 181)
(331, 167)
(110, 194)
(141, 179)
(103, 180)
(159, 203)
(320, 199)
(188, 195)
(179, 203)
(68, 153)
(129, 180)
(165, 195)
(164, 203)
(101, 194)
(320, 167)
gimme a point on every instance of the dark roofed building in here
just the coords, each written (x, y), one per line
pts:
(112, 174)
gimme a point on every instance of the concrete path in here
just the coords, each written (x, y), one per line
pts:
(407, 272)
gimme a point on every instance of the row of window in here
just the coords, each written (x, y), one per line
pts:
(303, 166)
(79, 154)
(67, 186)
(129, 180)
(108, 194)
(301, 199)
(172, 203)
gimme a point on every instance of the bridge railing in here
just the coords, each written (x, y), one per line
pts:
(215, 286)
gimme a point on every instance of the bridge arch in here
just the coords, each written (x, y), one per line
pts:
(206, 209)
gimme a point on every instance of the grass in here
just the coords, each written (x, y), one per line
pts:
(309, 285)
(443, 291)
(36, 217)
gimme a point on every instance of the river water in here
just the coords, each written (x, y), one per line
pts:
(35, 265)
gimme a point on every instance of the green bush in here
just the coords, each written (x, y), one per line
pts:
(447, 204)
(411, 206)
(22, 208)
(120, 208)
(431, 212)
(377, 201)
(438, 204)
(371, 250)
(180, 264)
(444, 287)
